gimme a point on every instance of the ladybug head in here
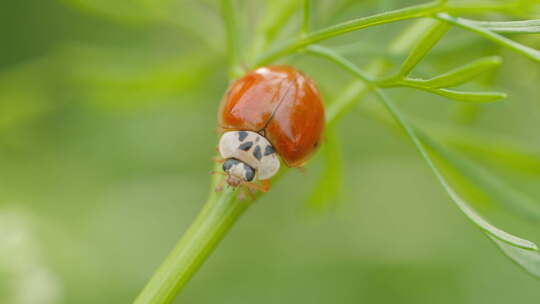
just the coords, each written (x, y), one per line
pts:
(237, 172)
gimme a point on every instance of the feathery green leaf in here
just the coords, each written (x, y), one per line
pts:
(521, 249)
(462, 204)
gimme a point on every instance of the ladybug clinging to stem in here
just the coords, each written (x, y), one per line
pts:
(271, 111)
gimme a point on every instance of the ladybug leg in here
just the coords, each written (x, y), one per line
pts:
(220, 185)
(218, 172)
(263, 188)
(242, 193)
(245, 188)
(221, 129)
(266, 185)
(218, 159)
(250, 192)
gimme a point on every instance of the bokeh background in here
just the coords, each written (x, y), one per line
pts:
(107, 129)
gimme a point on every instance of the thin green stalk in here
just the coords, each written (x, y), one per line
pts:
(306, 22)
(501, 40)
(216, 218)
(519, 27)
(424, 45)
(482, 6)
(461, 74)
(350, 26)
(231, 28)
(218, 215)
(276, 16)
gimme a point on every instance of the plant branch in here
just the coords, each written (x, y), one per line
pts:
(216, 218)
(275, 18)
(428, 40)
(410, 130)
(350, 26)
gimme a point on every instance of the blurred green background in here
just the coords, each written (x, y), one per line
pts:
(107, 129)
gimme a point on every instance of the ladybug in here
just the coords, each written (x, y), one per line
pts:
(271, 111)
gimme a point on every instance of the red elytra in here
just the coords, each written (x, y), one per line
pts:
(282, 104)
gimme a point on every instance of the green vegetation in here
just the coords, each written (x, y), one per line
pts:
(106, 140)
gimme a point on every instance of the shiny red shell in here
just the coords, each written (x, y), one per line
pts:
(280, 103)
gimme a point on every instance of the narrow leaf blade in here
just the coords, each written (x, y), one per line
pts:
(463, 73)
(501, 40)
(515, 27)
(480, 97)
(527, 259)
(474, 97)
(425, 44)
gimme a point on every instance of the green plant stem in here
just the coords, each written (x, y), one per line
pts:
(229, 15)
(349, 26)
(307, 17)
(424, 45)
(480, 7)
(216, 218)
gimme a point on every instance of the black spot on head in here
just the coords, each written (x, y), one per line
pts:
(246, 146)
(242, 135)
(268, 150)
(257, 152)
(227, 165)
(249, 173)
